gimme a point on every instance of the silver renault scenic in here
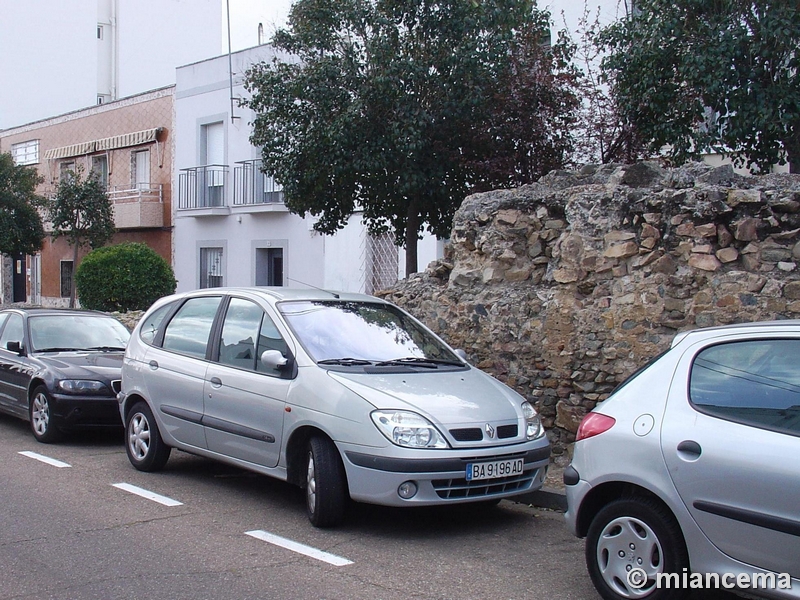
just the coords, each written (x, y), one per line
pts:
(345, 395)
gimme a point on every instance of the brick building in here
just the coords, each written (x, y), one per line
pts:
(128, 143)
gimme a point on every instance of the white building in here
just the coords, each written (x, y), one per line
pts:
(230, 224)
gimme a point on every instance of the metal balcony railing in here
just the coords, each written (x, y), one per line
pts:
(202, 187)
(142, 192)
(251, 186)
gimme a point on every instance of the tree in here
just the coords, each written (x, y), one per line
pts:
(21, 230)
(395, 107)
(700, 75)
(81, 212)
(123, 277)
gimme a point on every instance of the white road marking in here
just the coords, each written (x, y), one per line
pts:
(46, 459)
(332, 559)
(147, 494)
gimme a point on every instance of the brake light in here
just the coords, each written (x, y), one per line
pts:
(594, 424)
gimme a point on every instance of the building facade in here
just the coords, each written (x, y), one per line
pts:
(232, 227)
(128, 144)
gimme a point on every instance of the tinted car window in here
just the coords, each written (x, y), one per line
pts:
(189, 329)
(360, 330)
(151, 323)
(754, 382)
(239, 333)
(12, 331)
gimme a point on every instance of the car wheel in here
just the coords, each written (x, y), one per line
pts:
(326, 485)
(44, 424)
(628, 544)
(146, 450)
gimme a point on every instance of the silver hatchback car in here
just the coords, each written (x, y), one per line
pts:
(687, 477)
(344, 395)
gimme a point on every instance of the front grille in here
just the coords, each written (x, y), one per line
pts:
(452, 489)
(469, 434)
(507, 431)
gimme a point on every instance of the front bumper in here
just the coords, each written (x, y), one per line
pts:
(440, 476)
(86, 411)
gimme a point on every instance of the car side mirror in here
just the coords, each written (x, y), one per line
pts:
(15, 347)
(273, 359)
(461, 354)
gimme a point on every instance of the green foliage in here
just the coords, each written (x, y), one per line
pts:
(21, 230)
(700, 75)
(402, 107)
(123, 277)
(81, 211)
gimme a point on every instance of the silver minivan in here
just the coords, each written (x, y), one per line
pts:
(345, 395)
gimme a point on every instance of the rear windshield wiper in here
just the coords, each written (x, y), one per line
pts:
(347, 362)
(418, 361)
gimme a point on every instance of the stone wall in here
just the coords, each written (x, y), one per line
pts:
(565, 287)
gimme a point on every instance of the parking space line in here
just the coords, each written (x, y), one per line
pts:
(147, 494)
(46, 459)
(332, 559)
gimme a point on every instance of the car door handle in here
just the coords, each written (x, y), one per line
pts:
(689, 450)
(153, 365)
(216, 382)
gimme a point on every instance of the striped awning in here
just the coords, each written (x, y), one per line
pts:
(110, 143)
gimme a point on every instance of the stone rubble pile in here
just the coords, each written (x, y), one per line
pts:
(563, 288)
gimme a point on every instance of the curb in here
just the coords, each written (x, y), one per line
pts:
(545, 497)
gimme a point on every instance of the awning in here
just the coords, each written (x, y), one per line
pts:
(110, 143)
(128, 139)
(72, 150)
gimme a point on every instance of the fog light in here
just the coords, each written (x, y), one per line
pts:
(407, 489)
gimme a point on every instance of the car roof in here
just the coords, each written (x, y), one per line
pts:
(59, 312)
(788, 325)
(280, 294)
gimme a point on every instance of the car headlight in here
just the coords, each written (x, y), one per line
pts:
(408, 429)
(82, 386)
(533, 424)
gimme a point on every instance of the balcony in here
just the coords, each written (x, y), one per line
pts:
(139, 206)
(254, 191)
(203, 190)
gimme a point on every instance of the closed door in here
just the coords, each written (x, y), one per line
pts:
(244, 401)
(141, 170)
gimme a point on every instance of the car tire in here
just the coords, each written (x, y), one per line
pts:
(44, 424)
(326, 485)
(143, 443)
(631, 534)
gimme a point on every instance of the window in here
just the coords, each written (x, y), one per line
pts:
(270, 339)
(211, 267)
(26, 153)
(3, 318)
(66, 278)
(239, 333)
(140, 169)
(269, 266)
(189, 329)
(151, 324)
(65, 167)
(99, 32)
(12, 332)
(100, 169)
(751, 382)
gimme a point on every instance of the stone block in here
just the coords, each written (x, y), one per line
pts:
(736, 197)
(727, 255)
(623, 250)
(704, 262)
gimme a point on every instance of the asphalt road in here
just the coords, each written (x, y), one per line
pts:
(69, 533)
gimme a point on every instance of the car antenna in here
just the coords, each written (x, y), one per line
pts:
(334, 294)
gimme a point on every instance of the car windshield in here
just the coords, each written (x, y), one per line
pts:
(61, 333)
(359, 333)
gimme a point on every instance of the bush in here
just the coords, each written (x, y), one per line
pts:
(129, 276)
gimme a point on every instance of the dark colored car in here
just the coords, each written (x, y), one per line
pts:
(60, 369)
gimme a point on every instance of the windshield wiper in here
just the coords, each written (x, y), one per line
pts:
(418, 361)
(106, 348)
(54, 349)
(347, 362)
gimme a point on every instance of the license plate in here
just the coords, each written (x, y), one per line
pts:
(494, 470)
